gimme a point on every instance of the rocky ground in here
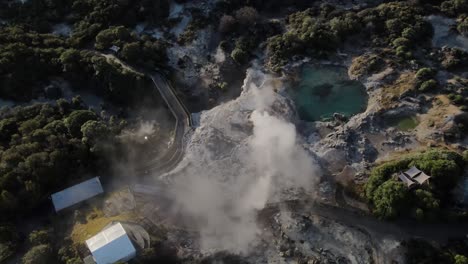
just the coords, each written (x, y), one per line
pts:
(341, 150)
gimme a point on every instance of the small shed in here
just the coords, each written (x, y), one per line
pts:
(111, 245)
(76, 194)
(422, 178)
(407, 181)
(413, 172)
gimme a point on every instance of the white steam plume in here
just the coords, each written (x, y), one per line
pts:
(244, 155)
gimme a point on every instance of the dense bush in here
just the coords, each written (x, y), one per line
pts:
(419, 251)
(107, 79)
(8, 241)
(26, 59)
(445, 167)
(247, 16)
(390, 199)
(454, 59)
(39, 237)
(41, 254)
(428, 85)
(462, 27)
(41, 151)
(318, 31)
(425, 79)
(454, 7)
(227, 24)
(199, 20)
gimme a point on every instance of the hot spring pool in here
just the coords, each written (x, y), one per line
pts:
(325, 90)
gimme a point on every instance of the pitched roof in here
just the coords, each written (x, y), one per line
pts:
(413, 172)
(422, 178)
(76, 194)
(409, 183)
(111, 245)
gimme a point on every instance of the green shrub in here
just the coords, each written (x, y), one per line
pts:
(112, 36)
(454, 7)
(428, 85)
(403, 52)
(444, 166)
(401, 42)
(239, 55)
(462, 27)
(39, 237)
(41, 254)
(366, 64)
(425, 74)
(390, 199)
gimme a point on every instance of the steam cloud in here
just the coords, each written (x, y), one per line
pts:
(243, 156)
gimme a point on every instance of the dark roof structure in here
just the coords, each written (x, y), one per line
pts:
(413, 177)
(422, 178)
(409, 183)
(413, 172)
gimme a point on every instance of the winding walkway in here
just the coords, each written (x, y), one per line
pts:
(181, 115)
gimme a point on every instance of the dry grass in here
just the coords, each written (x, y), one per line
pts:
(95, 222)
(435, 118)
(393, 92)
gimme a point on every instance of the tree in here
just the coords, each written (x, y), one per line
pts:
(247, 16)
(239, 55)
(39, 237)
(112, 36)
(460, 259)
(41, 254)
(226, 24)
(425, 74)
(76, 119)
(94, 131)
(70, 60)
(462, 27)
(131, 52)
(428, 85)
(390, 199)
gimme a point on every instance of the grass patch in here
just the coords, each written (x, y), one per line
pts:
(393, 92)
(95, 221)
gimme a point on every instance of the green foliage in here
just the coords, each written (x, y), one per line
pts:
(26, 58)
(454, 7)
(239, 55)
(39, 237)
(419, 251)
(8, 241)
(41, 254)
(460, 259)
(428, 85)
(112, 36)
(454, 58)
(444, 166)
(198, 21)
(44, 151)
(384, 172)
(68, 253)
(390, 199)
(76, 119)
(425, 74)
(315, 32)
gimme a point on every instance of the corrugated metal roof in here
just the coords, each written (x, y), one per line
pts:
(76, 194)
(111, 245)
